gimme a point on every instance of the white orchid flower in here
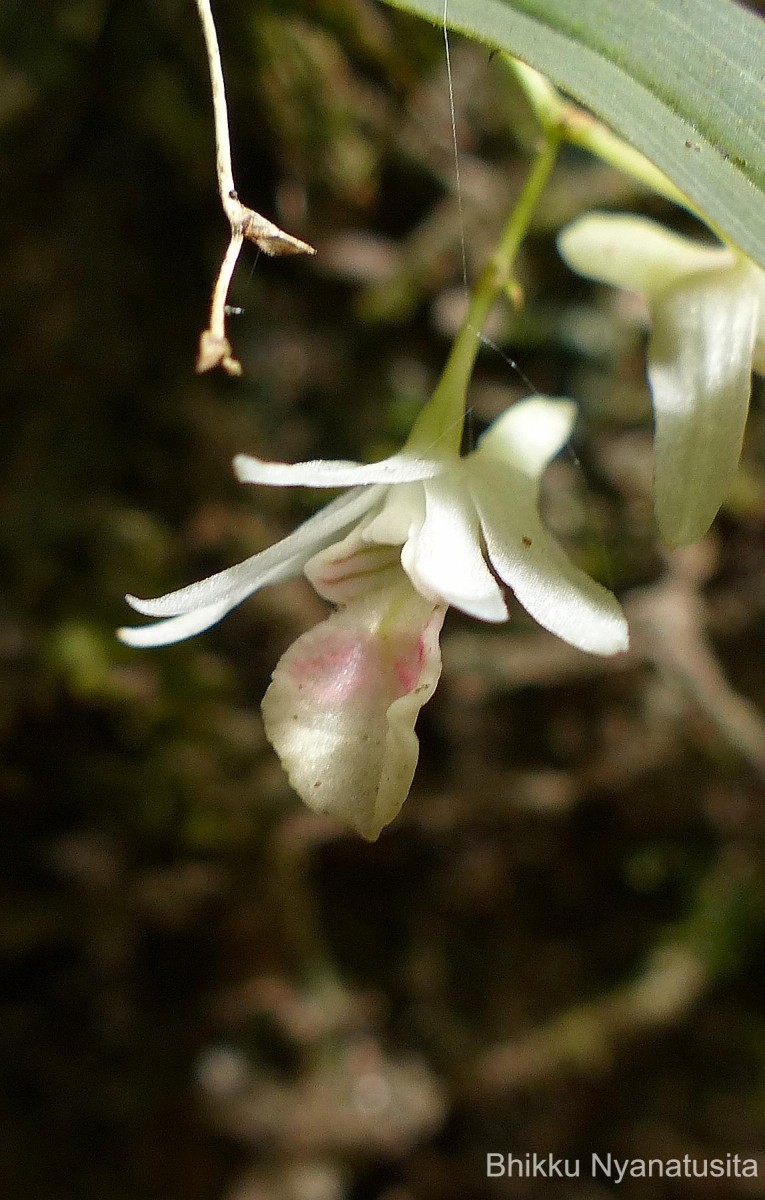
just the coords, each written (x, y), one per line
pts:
(708, 315)
(419, 531)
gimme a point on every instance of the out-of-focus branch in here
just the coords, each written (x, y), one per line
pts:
(669, 628)
(670, 623)
(586, 1039)
(214, 346)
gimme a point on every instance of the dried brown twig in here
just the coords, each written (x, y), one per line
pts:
(214, 346)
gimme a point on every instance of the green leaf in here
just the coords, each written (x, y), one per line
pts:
(681, 80)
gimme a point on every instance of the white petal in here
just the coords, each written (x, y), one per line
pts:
(444, 559)
(341, 709)
(635, 253)
(699, 367)
(280, 561)
(528, 435)
(557, 594)
(400, 468)
(176, 629)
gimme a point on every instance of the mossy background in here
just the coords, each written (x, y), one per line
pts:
(209, 993)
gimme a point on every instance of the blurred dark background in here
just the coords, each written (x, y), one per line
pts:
(209, 993)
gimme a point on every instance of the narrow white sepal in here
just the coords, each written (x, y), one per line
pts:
(281, 561)
(400, 468)
(176, 629)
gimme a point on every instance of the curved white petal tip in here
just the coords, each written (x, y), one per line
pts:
(529, 435)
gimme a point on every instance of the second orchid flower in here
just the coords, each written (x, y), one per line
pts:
(708, 316)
